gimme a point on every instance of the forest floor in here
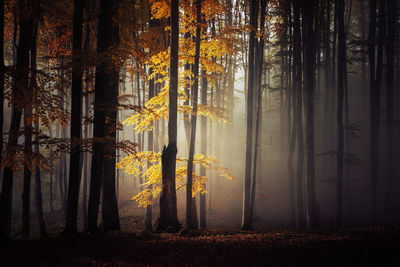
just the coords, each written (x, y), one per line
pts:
(364, 246)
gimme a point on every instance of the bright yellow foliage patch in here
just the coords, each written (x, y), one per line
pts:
(152, 175)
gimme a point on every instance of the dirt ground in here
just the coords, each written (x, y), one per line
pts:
(351, 247)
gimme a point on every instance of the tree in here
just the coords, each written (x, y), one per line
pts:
(374, 112)
(71, 225)
(258, 85)
(203, 214)
(105, 104)
(390, 55)
(309, 80)
(340, 98)
(168, 220)
(36, 163)
(19, 83)
(2, 67)
(297, 77)
(195, 89)
(246, 214)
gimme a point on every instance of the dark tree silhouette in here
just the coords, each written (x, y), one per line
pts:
(340, 99)
(71, 225)
(168, 220)
(19, 84)
(246, 214)
(106, 93)
(190, 212)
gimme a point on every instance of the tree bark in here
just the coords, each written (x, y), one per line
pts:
(148, 223)
(190, 215)
(38, 185)
(26, 193)
(110, 213)
(390, 54)
(299, 114)
(309, 65)
(2, 71)
(203, 171)
(246, 213)
(168, 220)
(106, 93)
(374, 111)
(259, 60)
(339, 5)
(71, 225)
(19, 85)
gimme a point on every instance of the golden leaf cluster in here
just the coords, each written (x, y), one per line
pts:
(133, 164)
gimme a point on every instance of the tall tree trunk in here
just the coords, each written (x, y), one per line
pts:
(19, 84)
(374, 115)
(38, 189)
(258, 66)
(190, 215)
(328, 80)
(86, 131)
(51, 161)
(71, 225)
(108, 41)
(28, 163)
(339, 5)
(148, 223)
(363, 38)
(299, 112)
(26, 193)
(106, 93)
(246, 213)
(168, 220)
(309, 64)
(186, 122)
(38, 185)
(390, 50)
(203, 171)
(2, 68)
(59, 172)
(292, 121)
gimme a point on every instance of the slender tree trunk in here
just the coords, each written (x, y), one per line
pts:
(148, 224)
(71, 225)
(309, 64)
(374, 116)
(26, 193)
(2, 68)
(190, 215)
(38, 185)
(203, 171)
(186, 121)
(51, 161)
(28, 164)
(339, 5)
(86, 131)
(59, 172)
(292, 126)
(390, 54)
(257, 139)
(246, 214)
(168, 220)
(19, 85)
(363, 38)
(259, 60)
(328, 81)
(299, 112)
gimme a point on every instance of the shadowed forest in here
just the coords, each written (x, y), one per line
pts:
(160, 132)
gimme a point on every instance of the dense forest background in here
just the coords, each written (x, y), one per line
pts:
(277, 114)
